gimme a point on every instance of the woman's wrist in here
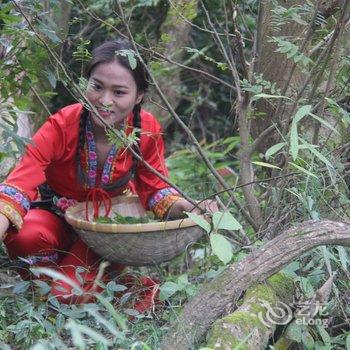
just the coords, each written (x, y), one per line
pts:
(4, 225)
(178, 209)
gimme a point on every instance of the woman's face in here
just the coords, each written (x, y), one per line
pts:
(113, 91)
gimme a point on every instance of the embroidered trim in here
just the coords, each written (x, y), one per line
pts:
(164, 205)
(11, 213)
(16, 195)
(92, 159)
(63, 203)
(159, 195)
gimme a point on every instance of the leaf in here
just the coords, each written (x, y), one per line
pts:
(225, 221)
(167, 290)
(294, 332)
(221, 247)
(132, 60)
(114, 287)
(51, 78)
(130, 54)
(303, 170)
(120, 319)
(294, 145)
(44, 287)
(318, 154)
(302, 112)
(200, 221)
(21, 287)
(348, 342)
(308, 340)
(324, 335)
(79, 328)
(131, 312)
(267, 165)
(182, 280)
(322, 121)
(267, 96)
(274, 149)
(343, 257)
(49, 33)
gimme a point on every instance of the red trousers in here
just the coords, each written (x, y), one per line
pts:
(47, 240)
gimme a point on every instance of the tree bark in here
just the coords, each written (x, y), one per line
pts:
(250, 325)
(274, 67)
(224, 291)
(175, 30)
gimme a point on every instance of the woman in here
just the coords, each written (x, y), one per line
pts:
(71, 155)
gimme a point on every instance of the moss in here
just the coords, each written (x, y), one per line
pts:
(260, 292)
(282, 285)
(224, 335)
(230, 330)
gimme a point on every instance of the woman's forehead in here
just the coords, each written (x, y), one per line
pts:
(112, 73)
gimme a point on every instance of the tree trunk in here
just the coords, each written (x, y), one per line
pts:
(274, 66)
(224, 291)
(175, 31)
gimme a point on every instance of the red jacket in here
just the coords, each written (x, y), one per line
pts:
(51, 158)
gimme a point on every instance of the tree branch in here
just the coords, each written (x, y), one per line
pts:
(210, 303)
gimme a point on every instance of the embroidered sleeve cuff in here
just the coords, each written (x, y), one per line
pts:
(162, 200)
(11, 213)
(14, 203)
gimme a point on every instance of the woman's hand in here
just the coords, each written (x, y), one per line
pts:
(179, 207)
(4, 225)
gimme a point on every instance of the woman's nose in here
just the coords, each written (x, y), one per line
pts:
(106, 99)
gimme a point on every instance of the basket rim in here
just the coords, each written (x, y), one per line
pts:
(83, 224)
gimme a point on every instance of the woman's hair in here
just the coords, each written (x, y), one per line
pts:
(122, 51)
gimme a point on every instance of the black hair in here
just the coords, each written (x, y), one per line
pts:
(122, 51)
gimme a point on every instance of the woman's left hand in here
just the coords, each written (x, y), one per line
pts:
(179, 207)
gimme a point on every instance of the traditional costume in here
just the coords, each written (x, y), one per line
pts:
(41, 237)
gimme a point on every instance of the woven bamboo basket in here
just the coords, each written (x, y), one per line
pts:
(133, 244)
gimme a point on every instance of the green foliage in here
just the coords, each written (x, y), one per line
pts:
(281, 15)
(120, 219)
(290, 50)
(220, 245)
(309, 183)
(258, 85)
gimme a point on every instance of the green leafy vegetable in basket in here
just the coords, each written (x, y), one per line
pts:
(120, 219)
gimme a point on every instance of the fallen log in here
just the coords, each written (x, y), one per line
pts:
(224, 291)
(249, 326)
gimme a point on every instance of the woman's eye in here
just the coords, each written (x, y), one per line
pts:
(95, 86)
(118, 92)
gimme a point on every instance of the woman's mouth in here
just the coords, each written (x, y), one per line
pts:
(104, 113)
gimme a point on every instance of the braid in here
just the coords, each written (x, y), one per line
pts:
(137, 125)
(131, 173)
(137, 116)
(81, 174)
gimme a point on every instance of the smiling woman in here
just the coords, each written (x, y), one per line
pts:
(113, 91)
(71, 157)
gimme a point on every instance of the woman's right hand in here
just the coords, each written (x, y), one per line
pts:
(4, 225)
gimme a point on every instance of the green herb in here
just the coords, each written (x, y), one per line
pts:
(120, 219)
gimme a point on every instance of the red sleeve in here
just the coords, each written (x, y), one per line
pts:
(48, 144)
